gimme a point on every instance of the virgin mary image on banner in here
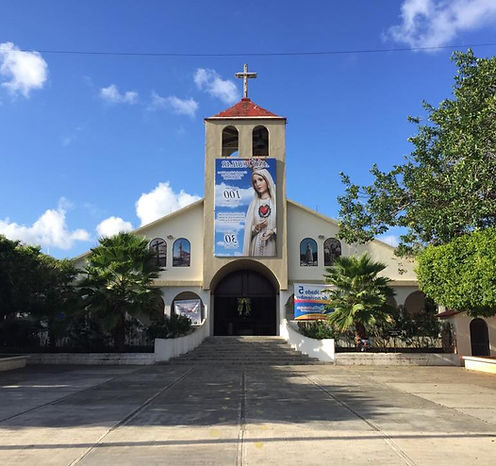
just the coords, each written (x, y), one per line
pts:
(260, 223)
(245, 207)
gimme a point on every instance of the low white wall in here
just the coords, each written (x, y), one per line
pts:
(12, 362)
(397, 359)
(481, 364)
(167, 348)
(323, 350)
(92, 358)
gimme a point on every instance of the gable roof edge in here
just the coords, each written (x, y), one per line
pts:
(148, 225)
(331, 220)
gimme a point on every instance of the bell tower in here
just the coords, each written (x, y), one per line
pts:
(245, 138)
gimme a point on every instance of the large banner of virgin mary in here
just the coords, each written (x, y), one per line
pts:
(245, 207)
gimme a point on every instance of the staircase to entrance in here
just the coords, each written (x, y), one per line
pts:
(245, 350)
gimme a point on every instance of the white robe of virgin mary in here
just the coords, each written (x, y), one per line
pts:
(261, 209)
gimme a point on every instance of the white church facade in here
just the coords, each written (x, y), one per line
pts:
(198, 264)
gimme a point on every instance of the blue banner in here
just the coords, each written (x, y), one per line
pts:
(245, 207)
(309, 302)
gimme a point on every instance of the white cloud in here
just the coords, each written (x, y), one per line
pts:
(210, 82)
(161, 201)
(50, 230)
(245, 196)
(23, 71)
(112, 94)
(177, 105)
(231, 226)
(392, 240)
(113, 225)
(433, 23)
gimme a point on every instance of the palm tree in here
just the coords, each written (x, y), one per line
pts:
(358, 295)
(118, 283)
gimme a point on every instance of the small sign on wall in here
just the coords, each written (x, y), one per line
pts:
(310, 302)
(190, 308)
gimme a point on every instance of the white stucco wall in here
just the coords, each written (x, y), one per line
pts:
(461, 323)
(184, 223)
(305, 223)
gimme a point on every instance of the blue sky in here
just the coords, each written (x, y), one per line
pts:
(90, 144)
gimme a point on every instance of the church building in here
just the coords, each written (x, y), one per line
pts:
(245, 260)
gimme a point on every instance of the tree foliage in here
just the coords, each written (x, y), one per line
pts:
(446, 187)
(358, 294)
(35, 292)
(118, 282)
(461, 274)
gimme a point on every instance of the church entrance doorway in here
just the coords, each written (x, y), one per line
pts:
(244, 304)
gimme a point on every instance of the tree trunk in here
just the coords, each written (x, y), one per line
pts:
(360, 334)
(119, 334)
(52, 339)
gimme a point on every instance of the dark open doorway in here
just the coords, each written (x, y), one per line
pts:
(244, 304)
(479, 338)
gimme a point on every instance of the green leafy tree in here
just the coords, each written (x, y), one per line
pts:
(358, 294)
(36, 291)
(461, 274)
(19, 273)
(118, 283)
(58, 302)
(446, 187)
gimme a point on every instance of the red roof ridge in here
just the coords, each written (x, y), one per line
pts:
(245, 108)
(447, 313)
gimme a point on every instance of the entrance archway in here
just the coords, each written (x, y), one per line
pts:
(245, 304)
(479, 337)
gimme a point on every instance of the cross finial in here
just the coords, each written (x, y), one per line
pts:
(245, 75)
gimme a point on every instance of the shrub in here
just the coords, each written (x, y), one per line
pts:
(170, 327)
(318, 329)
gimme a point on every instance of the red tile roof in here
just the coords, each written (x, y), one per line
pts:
(448, 313)
(245, 108)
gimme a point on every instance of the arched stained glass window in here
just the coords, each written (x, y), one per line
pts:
(260, 141)
(332, 250)
(181, 253)
(159, 248)
(230, 141)
(308, 253)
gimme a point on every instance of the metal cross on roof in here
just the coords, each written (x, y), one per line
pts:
(245, 75)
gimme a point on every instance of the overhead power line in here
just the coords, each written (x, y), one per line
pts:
(260, 54)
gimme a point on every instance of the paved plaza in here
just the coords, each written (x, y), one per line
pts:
(251, 415)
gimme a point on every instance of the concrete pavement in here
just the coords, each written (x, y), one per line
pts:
(247, 415)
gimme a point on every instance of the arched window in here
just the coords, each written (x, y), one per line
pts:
(479, 337)
(230, 141)
(415, 303)
(332, 250)
(181, 253)
(260, 141)
(159, 248)
(308, 252)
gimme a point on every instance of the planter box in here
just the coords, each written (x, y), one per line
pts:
(476, 363)
(168, 348)
(397, 359)
(12, 362)
(93, 358)
(323, 350)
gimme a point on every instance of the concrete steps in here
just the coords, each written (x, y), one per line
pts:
(244, 350)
